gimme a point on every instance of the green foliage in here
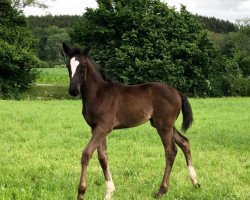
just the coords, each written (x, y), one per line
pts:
(23, 3)
(217, 25)
(16, 52)
(50, 31)
(13, 26)
(145, 40)
(61, 21)
(50, 44)
(16, 73)
(236, 48)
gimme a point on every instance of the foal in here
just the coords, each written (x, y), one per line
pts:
(108, 105)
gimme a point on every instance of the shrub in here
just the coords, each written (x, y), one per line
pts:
(16, 70)
(144, 40)
(16, 52)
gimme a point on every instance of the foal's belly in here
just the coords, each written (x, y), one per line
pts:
(131, 118)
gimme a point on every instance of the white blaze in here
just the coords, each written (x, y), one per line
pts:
(73, 65)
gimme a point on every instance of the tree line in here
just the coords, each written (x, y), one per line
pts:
(217, 25)
(50, 31)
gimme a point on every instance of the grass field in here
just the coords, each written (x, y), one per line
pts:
(41, 144)
(57, 76)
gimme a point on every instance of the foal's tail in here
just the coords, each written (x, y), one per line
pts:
(186, 112)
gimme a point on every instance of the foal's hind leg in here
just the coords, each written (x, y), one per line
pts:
(183, 143)
(103, 159)
(167, 139)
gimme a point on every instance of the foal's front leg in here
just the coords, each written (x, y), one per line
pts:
(99, 134)
(103, 159)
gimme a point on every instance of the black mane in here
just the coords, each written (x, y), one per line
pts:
(100, 70)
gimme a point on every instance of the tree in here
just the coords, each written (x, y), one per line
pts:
(50, 41)
(16, 52)
(217, 25)
(145, 40)
(235, 47)
(19, 4)
(50, 31)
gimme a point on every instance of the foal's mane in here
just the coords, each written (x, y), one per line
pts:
(99, 69)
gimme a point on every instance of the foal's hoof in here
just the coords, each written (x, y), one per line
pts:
(157, 196)
(80, 197)
(197, 185)
(161, 192)
(81, 192)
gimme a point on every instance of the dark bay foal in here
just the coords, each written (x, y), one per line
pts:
(108, 105)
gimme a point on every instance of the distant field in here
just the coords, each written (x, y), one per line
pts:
(57, 76)
(41, 144)
(52, 83)
(47, 92)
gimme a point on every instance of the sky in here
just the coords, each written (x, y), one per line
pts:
(222, 9)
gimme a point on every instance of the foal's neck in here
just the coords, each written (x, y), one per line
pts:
(93, 82)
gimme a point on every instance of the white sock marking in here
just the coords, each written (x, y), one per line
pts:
(192, 175)
(110, 188)
(73, 64)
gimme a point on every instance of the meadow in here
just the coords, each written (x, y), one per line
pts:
(41, 145)
(57, 75)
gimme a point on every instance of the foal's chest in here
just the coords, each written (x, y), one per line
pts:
(89, 116)
(92, 114)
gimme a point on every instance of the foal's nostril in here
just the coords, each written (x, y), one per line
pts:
(73, 92)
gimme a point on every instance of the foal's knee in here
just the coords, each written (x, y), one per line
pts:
(85, 157)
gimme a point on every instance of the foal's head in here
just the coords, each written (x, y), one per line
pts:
(76, 67)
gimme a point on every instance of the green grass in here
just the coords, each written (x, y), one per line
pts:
(57, 76)
(41, 144)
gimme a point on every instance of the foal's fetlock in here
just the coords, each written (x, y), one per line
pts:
(81, 192)
(110, 188)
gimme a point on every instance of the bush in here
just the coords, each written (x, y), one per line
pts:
(16, 70)
(16, 52)
(144, 40)
(240, 86)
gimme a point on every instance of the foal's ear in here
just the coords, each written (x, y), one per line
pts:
(66, 49)
(87, 50)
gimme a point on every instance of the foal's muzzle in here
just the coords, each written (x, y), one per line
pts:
(73, 92)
